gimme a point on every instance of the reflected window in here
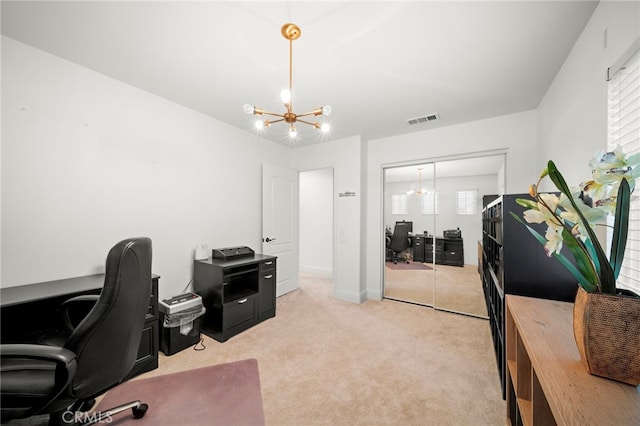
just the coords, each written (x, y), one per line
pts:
(399, 204)
(467, 202)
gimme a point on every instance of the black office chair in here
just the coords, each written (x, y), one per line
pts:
(99, 353)
(399, 241)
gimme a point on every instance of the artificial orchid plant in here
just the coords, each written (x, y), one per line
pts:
(572, 216)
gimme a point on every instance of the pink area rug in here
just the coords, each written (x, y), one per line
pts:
(408, 266)
(225, 394)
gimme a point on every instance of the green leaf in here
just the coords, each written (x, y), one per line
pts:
(583, 260)
(578, 275)
(620, 227)
(606, 279)
(592, 254)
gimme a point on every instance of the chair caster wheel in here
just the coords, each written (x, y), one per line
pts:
(140, 411)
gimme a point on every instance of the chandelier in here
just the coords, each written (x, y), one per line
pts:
(290, 32)
(420, 190)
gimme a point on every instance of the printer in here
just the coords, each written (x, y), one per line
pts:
(452, 233)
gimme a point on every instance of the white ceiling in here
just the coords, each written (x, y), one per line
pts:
(376, 63)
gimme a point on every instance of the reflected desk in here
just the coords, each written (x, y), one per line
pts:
(447, 251)
(31, 311)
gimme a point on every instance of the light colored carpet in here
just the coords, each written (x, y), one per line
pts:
(328, 362)
(453, 288)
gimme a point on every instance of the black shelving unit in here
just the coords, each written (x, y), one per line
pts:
(513, 262)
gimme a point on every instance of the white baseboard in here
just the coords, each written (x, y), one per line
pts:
(316, 270)
(351, 296)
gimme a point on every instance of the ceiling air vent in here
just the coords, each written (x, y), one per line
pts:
(424, 119)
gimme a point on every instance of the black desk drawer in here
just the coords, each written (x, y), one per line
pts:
(239, 315)
(147, 359)
(269, 265)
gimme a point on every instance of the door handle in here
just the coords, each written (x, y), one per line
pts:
(243, 300)
(268, 240)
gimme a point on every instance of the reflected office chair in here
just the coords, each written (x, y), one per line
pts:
(399, 241)
(98, 355)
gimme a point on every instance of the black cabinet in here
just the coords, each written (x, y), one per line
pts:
(448, 251)
(267, 290)
(433, 252)
(237, 293)
(513, 262)
(418, 249)
(452, 252)
(147, 359)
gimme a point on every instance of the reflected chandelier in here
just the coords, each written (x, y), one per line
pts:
(290, 32)
(420, 190)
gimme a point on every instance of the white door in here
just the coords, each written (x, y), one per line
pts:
(280, 224)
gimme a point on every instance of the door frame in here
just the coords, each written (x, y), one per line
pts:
(333, 220)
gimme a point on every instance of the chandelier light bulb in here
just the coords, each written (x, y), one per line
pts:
(248, 109)
(326, 110)
(325, 127)
(285, 96)
(293, 133)
(259, 124)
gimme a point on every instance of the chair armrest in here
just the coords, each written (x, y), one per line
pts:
(68, 305)
(39, 352)
(83, 298)
(33, 376)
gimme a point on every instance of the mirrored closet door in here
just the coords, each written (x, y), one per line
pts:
(442, 203)
(409, 272)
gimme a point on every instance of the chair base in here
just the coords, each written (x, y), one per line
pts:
(396, 257)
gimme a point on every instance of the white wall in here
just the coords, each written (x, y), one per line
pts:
(447, 218)
(316, 221)
(77, 146)
(572, 117)
(344, 157)
(514, 134)
(88, 161)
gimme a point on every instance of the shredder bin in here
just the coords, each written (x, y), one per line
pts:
(180, 322)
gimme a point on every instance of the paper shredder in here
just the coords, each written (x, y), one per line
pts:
(180, 322)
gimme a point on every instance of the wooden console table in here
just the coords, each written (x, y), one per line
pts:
(547, 382)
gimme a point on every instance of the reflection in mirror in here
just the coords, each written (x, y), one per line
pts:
(462, 184)
(409, 275)
(443, 202)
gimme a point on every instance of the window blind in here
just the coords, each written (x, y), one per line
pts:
(398, 204)
(624, 130)
(467, 202)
